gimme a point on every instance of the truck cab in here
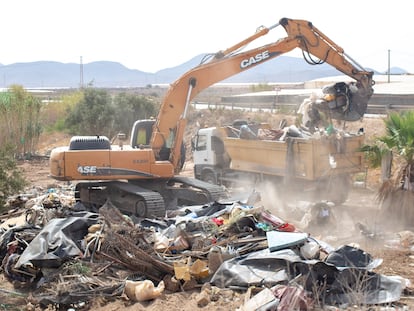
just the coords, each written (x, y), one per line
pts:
(209, 155)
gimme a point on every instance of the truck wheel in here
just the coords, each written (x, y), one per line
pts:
(210, 178)
(140, 209)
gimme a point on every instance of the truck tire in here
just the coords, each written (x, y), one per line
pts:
(210, 178)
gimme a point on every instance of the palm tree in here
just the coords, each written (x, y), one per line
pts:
(396, 194)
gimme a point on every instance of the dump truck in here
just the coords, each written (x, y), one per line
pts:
(313, 167)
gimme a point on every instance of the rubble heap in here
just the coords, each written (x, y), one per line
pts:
(64, 255)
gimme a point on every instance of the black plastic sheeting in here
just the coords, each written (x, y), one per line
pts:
(334, 285)
(58, 241)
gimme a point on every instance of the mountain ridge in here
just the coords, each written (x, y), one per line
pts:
(113, 74)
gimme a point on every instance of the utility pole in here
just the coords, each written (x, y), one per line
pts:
(81, 73)
(389, 67)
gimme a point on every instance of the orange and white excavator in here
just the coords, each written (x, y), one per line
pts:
(142, 178)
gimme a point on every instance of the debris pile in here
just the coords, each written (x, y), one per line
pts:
(65, 255)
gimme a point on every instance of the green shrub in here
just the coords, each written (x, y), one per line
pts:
(12, 180)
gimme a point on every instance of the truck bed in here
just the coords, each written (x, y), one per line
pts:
(307, 159)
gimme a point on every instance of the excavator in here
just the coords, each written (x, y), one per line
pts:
(142, 178)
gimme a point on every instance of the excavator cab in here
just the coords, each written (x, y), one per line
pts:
(141, 133)
(141, 137)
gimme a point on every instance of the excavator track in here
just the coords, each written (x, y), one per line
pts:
(213, 192)
(125, 196)
(154, 202)
(134, 199)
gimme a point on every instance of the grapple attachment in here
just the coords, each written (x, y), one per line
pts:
(344, 101)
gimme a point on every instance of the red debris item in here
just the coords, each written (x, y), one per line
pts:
(286, 227)
(279, 224)
(218, 221)
(272, 219)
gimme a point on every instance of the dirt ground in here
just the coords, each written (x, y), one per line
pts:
(361, 207)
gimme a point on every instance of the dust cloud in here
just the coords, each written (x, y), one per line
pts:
(358, 221)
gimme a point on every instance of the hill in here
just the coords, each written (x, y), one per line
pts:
(46, 74)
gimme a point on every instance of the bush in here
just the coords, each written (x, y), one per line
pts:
(11, 178)
(20, 124)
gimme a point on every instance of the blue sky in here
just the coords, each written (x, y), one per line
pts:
(157, 34)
